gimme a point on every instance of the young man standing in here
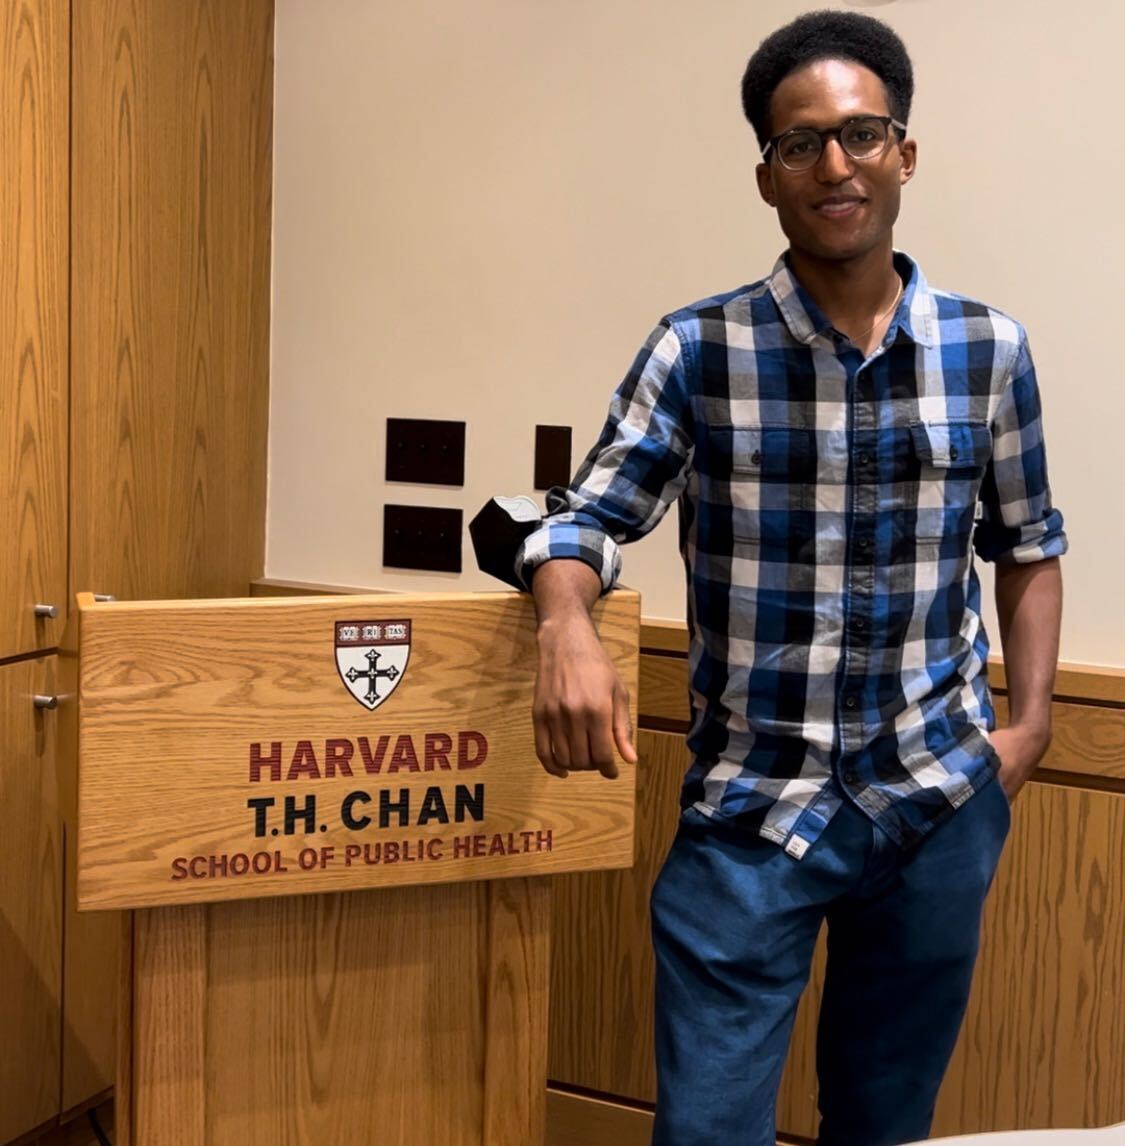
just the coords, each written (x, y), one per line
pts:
(840, 437)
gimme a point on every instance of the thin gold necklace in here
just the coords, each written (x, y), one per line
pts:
(859, 337)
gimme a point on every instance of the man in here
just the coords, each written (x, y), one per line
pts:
(840, 437)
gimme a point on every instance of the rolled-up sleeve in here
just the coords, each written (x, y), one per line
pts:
(1018, 522)
(636, 470)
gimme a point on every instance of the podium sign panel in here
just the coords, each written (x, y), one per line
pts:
(262, 747)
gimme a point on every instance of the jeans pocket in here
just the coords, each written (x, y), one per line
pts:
(692, 817)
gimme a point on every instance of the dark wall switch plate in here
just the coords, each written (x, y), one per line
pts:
(552, 456)
(422, 537)
(427, 451)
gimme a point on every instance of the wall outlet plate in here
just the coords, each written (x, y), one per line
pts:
(552, 456)
(422, 537)
(425, 451)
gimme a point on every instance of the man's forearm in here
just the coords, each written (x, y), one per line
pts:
(563, 589)
(1029, 604)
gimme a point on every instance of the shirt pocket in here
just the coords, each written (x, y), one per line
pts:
(772, 471)
(951, 459)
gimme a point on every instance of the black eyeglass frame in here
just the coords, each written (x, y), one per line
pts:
(888, 121)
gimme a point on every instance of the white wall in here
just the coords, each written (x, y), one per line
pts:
(481, 209)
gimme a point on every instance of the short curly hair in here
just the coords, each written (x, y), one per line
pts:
(826, 35)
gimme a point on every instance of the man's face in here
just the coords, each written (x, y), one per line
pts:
(841, 208)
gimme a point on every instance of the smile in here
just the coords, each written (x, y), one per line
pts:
(839, 208)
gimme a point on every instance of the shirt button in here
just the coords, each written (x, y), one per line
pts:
(859, 624)
(863, 544)
(865, 459)
(851, 777)
(953, 452)
(756, 458)
(850, 702)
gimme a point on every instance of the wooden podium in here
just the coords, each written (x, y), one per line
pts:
(329, 835)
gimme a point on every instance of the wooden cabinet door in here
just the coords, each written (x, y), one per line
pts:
(30, 900)
(34, 248)
(170, 279)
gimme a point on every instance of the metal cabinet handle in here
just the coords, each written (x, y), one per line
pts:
(51, 611)
(42, 701)
(104, 597)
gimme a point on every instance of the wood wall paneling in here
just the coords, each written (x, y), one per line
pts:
(588, 1119)
(1044, 1040)
(581, 1119)
(664, 689)
(171, 168)
(30, 900)
(278, 587)
(1088, 743)
(34, 245)
(75, 1131)
(602, 966)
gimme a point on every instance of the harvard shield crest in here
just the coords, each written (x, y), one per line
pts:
(371, 658)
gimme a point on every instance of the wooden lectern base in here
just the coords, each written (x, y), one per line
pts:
(406, 1015)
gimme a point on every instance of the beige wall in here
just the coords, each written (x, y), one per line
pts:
(481, 209)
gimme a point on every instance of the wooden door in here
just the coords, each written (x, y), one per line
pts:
(34, 127)
(30, 900)
(170, 281)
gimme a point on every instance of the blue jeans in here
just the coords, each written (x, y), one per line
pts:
(735, 921)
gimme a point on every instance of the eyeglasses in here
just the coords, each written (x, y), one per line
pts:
(864, 137)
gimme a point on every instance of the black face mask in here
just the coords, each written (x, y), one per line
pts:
(498, 531)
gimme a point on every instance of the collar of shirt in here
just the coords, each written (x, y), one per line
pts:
(915, 316)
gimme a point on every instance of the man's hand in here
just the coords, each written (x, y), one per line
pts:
(581, 708)
(1020, 749)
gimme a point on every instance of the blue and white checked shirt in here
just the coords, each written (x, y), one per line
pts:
(827, 505)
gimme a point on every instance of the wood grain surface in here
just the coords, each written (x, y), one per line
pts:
(400, 1016)
(30, 901)
(516, 1002)
(590, 1120)
(75, 1130)
(34, 248)
(602, 970)
(664, 689)
(664, 636)
(171, 167)
(1044, 1040)
(170, 227)
(582, 1119)
(90, 939)
(1088, 741)
(172, 696)
(279, 587)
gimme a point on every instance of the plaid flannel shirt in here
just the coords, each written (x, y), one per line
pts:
(829, 509)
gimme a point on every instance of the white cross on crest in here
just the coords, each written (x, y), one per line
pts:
(371, 658)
